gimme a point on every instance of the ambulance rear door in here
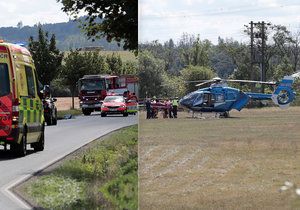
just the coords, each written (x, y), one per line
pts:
(5, 93)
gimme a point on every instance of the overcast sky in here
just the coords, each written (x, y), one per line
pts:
(30, 12)
(165, 19)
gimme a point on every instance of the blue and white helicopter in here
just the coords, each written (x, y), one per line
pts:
(220, 98)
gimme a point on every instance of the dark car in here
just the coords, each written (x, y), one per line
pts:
(114, 105)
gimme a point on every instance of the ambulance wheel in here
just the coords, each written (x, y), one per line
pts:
(39, 146)
(103, 114)
(21, 149)
(125, 114)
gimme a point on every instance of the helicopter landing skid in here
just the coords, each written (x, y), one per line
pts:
(209, 115)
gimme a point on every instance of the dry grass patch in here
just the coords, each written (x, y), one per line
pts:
(235, 163)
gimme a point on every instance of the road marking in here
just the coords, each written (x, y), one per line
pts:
(6, 189)
(15, 198)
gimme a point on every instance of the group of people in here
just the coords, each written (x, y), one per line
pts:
(168, 107)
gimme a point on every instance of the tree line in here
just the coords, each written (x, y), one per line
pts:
(68, 35)
(62, 70)
(173, 67)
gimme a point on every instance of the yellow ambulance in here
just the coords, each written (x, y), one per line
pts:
(21, 108)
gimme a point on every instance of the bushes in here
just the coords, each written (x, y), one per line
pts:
(105, 175)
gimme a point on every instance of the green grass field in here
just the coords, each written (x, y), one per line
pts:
(235, 163)
(101, 176)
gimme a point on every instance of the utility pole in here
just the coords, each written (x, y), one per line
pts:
(263, 48)
(252, 55)
(252, 50)
(261, 34)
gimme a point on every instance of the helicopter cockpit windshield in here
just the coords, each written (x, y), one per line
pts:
(192, 99)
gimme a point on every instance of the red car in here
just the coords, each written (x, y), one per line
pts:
(114, 105)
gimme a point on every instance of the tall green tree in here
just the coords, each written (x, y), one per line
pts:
(46, 56)
(73, 69)
(284, 68)
(194, 73)
(130, 67)
(150, 73)
(114, 62)
(200, 52)
(173, 86)
(119, 19)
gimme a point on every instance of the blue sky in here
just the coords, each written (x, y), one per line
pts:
(165, 19)
(30, 12)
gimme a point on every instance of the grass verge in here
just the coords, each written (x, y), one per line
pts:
(103, 176)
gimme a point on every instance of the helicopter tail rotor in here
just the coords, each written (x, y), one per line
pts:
(284, 94)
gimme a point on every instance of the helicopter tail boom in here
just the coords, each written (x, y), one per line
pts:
(284, 94)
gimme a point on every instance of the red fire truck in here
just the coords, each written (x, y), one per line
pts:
(94, 88)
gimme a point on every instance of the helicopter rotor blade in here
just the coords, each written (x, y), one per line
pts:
(204, 83)
(251, 81)
(196, 81)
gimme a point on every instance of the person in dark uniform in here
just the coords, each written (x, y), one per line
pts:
(169, 107)
(148, 108)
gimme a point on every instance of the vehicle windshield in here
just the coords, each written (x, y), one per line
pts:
(4, 80)
(114, 98)
(89, 84)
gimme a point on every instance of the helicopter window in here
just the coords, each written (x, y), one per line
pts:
(208, 99)
(191, 96)
(205, 97)
(219, 98)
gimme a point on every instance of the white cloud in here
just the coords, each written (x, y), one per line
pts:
(225, 18)
(31, 12)
(269, 3)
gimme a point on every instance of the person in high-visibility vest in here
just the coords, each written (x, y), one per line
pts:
(175, 105)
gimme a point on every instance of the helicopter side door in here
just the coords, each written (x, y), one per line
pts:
(208, 100)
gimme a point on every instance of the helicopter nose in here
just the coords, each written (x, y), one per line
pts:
(185, 102)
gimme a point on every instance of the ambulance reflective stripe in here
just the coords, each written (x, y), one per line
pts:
(30, 110)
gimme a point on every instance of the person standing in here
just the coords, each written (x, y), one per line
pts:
(175, 106)
(148, 108)
(169, 107)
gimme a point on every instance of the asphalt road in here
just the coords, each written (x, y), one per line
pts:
(60, 140)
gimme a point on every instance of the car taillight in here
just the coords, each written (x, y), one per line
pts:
(15, 111)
